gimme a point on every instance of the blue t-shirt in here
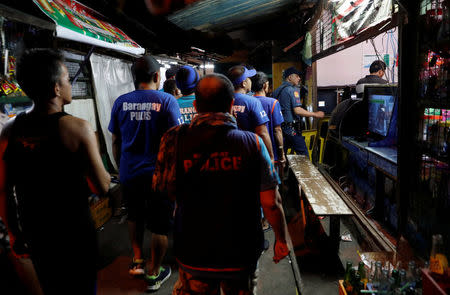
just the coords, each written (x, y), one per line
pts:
(273, 110)
(249, 112)
(140, 118)
(187, 109)
(289, 98)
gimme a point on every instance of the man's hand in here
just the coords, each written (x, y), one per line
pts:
(281, 165)
(319, 114)
(280, 250)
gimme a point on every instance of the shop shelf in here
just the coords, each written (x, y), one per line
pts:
(14, 99)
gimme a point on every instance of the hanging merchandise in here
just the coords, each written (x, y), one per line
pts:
(344, 20)
(352, 17)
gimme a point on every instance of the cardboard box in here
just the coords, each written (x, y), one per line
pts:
(101, 212)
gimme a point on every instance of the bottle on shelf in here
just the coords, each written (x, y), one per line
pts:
(411, 274)
(347, 278)
(376, 280)
(362, 272)
(384, 282)
(402, 276)
(438, 260)
(355, 284)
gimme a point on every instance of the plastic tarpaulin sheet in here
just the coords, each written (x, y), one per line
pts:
(343, 20)
(77, 22)
(112, 77)
(350, 17)
(84, 109)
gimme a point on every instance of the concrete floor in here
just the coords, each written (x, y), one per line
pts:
(319, 273)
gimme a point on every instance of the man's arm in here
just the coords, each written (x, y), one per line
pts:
(116, 148)
(261, 130)
(271, 203)
(77, 135)
(304, 113)
(273, 211)
(3, 173)
(165, 168)
(278, 136)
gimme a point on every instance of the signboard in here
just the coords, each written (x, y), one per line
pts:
(343, 20)
(350, 17)
(77, 22)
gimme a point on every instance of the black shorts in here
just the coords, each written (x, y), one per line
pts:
(146, 206)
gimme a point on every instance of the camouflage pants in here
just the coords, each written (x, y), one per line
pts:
(188, 285)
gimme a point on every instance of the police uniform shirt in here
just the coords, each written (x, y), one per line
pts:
(249, 112)
(273, 110)
(289, 98)
(187, 109)
(140, 118)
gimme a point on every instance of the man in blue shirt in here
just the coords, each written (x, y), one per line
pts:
(187, 78)
(219, 181)
(138, 121)
(288, 94)
(248, 110)
(260, 86)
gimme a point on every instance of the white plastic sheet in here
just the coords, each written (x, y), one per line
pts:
(112, 77)
(84, 109)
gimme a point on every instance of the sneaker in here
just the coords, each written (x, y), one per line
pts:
(137, 267)
(155, 282)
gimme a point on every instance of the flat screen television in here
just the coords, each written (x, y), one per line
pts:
(381, 106)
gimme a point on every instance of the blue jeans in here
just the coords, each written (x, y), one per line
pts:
(295, 142)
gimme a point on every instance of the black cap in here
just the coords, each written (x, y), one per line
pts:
(290, 71)
(172, 71)
(146, 64)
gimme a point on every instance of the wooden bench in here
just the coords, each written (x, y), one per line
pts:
(319, 194)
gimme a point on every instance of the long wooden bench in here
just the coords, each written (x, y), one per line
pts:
(319, 194)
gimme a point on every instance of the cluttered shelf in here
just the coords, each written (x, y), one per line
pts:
(14, 99)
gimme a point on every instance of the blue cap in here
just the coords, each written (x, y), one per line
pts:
(247, 74)
(290, 71)
(187, 78)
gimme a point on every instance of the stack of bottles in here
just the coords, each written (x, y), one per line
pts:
(382, 280)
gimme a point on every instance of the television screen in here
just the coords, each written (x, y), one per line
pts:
(381, 107)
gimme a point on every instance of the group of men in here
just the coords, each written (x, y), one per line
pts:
(213, 175)
(217, 167)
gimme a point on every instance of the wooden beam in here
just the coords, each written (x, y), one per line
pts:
(377, 236)
(18, 16)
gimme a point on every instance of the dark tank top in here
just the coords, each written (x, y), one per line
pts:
(50, 187)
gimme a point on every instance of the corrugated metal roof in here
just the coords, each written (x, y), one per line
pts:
(226, 15)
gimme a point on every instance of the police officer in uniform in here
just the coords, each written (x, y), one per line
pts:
(288, 94)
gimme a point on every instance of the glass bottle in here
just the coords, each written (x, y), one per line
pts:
(402, 278)
(362, 273)
(384, 282)
(356, 280)
(392, 285)
(377, 275)
(438, 260)
(411, 276)
(347, 277)
(396, 276)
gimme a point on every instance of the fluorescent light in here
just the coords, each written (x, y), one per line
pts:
(207, 66)
(196, 48)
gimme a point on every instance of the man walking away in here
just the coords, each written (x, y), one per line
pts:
(138, 121)
(219, 176)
